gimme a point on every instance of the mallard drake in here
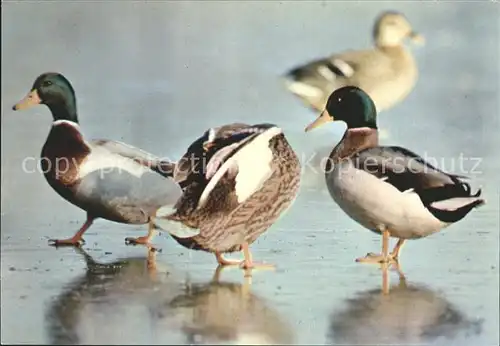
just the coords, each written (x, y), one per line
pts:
(108, 179)
(237, 180)
(387, 72)
(387, 189)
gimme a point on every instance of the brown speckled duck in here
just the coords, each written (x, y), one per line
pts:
(387, 72)
(237, 180)
(108, 179)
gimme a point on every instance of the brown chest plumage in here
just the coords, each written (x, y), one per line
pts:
(62, 154)
(353, 141)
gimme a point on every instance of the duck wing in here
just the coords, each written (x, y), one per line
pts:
(373, 70)
(323, 75)
(236, 168)
(244, 160)
(159, 165)
(124, 183)
(445, 195)
(192, 165)
(326, 70)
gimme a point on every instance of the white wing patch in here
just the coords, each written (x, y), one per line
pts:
(304, 89)
(326, 73)
(454, 203)
(105, 161)
(253, 163)
(218, 158)
(211, 135)
(346, 69)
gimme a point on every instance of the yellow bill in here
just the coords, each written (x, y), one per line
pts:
(28, 101)
(324, 118)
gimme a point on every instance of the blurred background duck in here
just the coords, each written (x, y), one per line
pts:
(387, 189)
(107, 179)
(237, 180)
(387, 72)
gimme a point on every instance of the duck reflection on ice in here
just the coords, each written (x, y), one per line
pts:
(132, 302)
(103, 296)
(399, 314)
(222, 312)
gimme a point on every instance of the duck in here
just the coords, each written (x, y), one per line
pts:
(387, 72)
(389, 190)
(237, 180)
(107, 179)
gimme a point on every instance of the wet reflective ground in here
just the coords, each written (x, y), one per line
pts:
(156, 75)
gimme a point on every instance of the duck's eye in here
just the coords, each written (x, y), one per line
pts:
(47, 83)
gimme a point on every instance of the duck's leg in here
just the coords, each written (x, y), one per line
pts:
(248, 262)
(384, 257)
(145, 240)
(77, 239)
(225, 262)
(395, 252)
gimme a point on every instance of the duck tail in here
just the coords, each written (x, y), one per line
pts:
(297, 81)
(168, 219)
(295, 74)
(451, 203)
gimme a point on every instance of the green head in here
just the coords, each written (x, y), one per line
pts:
(55, 91)
(350, 105)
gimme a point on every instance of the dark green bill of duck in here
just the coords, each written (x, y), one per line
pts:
(30, 100)
(324, 118)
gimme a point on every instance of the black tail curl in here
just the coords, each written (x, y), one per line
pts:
(436, 194)
(441, 193)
